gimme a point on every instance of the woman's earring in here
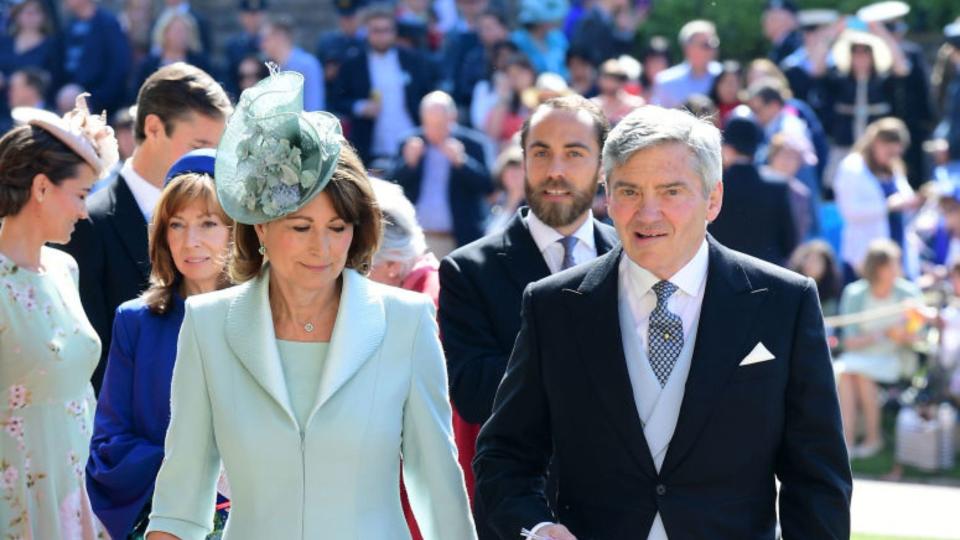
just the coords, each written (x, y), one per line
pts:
(263, 249)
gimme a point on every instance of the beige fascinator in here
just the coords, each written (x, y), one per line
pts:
(88, 135)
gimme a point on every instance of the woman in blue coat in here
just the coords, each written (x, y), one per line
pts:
(309, 381)
(189, 244)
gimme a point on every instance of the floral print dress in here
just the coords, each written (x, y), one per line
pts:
(48, 350)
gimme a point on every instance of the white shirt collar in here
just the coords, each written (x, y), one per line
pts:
(545, 235)
(146, 194)
(689, 279)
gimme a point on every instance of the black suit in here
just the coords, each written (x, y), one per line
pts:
(567, 392)
(480, 289)
(481, 285)
(111, 251)
(354, 85)
(468, 186)
(756, 218)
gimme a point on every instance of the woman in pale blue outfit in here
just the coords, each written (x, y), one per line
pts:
(878, 348)
(308, 381)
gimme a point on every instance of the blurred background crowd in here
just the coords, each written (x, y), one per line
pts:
(841, 128)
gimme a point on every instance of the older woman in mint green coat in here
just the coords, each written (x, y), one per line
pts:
(308, 382)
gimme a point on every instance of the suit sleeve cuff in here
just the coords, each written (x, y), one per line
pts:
(185, 530)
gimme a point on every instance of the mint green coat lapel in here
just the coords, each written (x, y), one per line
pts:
(251, 337)
(357, 333)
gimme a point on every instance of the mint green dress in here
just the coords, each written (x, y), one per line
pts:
(302, 363)
(48, 350)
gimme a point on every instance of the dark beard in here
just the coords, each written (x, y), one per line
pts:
(560, 215)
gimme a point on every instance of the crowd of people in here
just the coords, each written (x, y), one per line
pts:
(236, 230)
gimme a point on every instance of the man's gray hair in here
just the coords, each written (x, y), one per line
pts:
(403, 240)
(650, 126)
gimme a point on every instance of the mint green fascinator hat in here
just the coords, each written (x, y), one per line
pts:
(274, 157)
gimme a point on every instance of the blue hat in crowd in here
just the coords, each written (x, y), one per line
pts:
(199, 161)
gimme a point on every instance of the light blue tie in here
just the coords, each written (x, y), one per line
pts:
(568, 243)
(664, 335)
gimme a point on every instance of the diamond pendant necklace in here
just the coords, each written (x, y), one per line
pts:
(308, 327)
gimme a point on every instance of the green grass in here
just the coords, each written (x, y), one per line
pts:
(859, 536)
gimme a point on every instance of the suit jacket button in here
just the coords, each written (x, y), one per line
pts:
(661, 490)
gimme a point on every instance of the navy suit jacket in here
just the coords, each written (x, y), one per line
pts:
(111, 251)
(480, 289)
(133, 412)
(567, 393)
(354, 85)
(756, 218)
(468, 186)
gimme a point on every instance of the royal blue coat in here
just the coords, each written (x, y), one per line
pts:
(132, 413)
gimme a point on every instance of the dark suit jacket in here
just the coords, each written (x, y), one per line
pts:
(468, 186)
(480, 289)
(567, 393)
(354, 85)
(111, 250)
(756, 218)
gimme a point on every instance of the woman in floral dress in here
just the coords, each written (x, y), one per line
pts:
(48, 349)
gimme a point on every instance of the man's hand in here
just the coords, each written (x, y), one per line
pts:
(370, 108)
(556, 532)
(413, 151)
(455, 152)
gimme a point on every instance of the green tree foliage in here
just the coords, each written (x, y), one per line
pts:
(738, 21)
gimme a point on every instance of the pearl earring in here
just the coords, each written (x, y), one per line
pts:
(262, 250)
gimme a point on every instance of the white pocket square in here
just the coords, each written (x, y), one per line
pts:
(757, 355)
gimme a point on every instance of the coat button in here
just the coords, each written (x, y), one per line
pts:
(661, 490)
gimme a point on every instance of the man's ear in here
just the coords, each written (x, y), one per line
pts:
(714, 202)
(153, 127)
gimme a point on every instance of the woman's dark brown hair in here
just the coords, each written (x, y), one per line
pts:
(353, 200)
(182, 191)
(25, 152)
(46, 29)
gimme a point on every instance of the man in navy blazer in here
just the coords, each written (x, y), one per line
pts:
(180, 108)
(379, 90)
(673, 381)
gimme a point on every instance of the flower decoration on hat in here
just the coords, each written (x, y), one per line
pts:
(274, 157)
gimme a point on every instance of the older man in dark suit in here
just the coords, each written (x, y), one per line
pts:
(481, 283)
(179, 108)
(442, 169)
(673, 381)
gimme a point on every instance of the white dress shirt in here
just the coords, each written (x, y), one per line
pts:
(547, 240)
(658, 407)
(393, 123)
(146, 194)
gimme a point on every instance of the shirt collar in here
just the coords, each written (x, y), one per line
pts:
(545, 235)
(145, 193)
(688, 279)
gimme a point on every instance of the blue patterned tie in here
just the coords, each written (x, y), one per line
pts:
(664, 335)
(568, 243)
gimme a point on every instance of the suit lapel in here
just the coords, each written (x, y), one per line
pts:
(358, 332)
(520, 254)
(130, 225)
(251, 336)
(719, 346)
(605, 237)
(601, 350)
